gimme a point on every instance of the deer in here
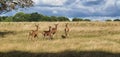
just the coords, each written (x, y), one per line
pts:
(48, 33)
(54, 30)
(34, 33)
(66, 31)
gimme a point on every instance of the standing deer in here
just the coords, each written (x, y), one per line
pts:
(66, 30)
(34, 33)
(48, 33)
(54, 30)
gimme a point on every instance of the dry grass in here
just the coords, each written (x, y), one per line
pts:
(83, 36)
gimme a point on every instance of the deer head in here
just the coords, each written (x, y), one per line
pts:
(37, 26)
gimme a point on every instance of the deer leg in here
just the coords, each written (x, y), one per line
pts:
(51, 36)
(44, 36)
(66, 34)
(28, 37)
(31, 38)
(36, 36)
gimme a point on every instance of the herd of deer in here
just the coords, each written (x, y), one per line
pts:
(49, 33)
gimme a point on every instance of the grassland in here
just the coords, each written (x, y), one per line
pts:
(86, 39)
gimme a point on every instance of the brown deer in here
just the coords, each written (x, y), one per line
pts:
(48, 33)
(34, 33)
(66, 31)
(54, 30)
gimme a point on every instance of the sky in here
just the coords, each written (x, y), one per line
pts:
(95, 9)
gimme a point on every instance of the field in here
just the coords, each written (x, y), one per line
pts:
(86, 39)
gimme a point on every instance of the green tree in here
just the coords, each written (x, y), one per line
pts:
(8, 19)
(40, 17)
(53, 18)
(19, 17)
(77, 19)
(62, 18)
(35, 17)
(2, 18)
(87, 20)
(108, 20)
(117, 20)
(27, 17)
(46, 18)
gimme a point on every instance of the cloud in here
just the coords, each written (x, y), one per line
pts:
(76, 8)
(81, 7)
(93, 2)
(50, 2)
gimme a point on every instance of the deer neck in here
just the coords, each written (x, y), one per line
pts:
(49, 29)
(66, 26)
(56, 27)
(36, 29)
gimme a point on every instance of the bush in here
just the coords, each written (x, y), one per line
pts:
(108, 20)
(87, 20)
(77, 19)
(9, 19)
(117, 20)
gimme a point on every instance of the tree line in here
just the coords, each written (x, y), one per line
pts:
(33, 17)
(36, 17)
(112, 20)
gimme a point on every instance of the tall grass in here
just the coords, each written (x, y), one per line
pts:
(83, 36)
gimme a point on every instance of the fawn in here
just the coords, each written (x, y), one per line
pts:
(48, 33)
(54, 30)
(66, 31)
(34, 33)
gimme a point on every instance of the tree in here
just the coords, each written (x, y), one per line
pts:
(117, 20)
(8, 19)
(77, 19)
(8, 5)
(108, 20)
(53, 18)
(19, 17)
(62, 18)
(87, 20)
(27, 17)
(46, 18)
(3, 18)
(35, 17)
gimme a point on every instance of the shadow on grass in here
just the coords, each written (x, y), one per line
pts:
(2, 34)
(60, 54)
